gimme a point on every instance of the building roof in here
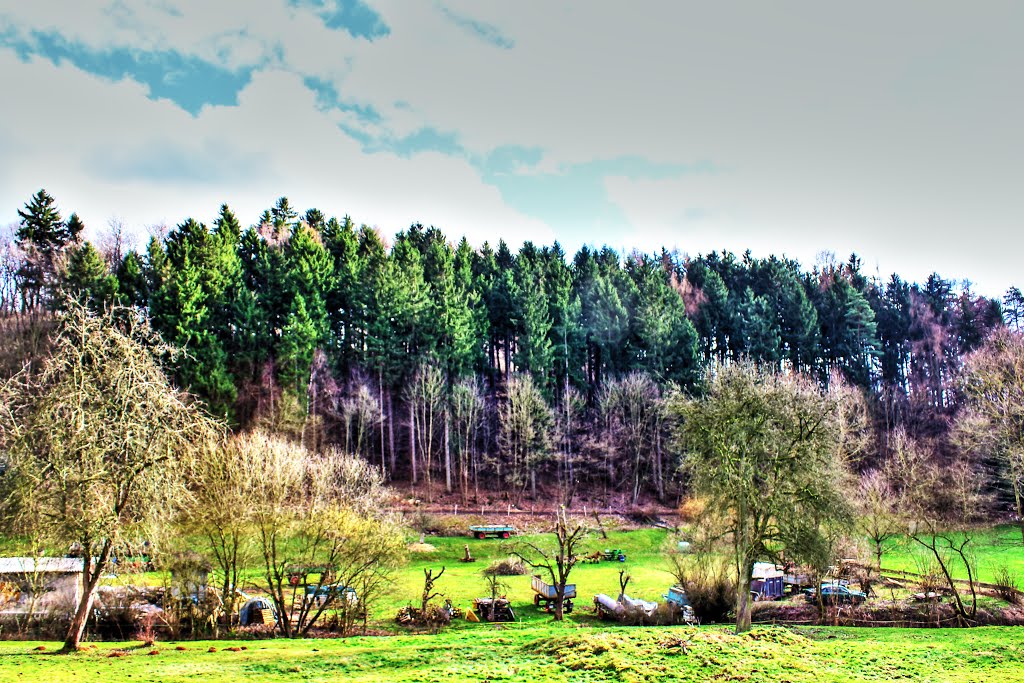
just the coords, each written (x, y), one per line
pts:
(45, 565)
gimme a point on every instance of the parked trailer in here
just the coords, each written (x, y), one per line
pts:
(608, 607)
(495, 530)
(545, 596)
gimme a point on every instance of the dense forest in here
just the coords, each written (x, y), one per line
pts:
(493, 368)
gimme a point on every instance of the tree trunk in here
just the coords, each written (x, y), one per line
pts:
(447, 454)
(659, 467)
(391, 433)
(380, 394)
(743, 600)
(90, 580)
(508, 359)
(412, 440)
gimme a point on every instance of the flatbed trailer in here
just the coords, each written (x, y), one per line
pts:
(545, 596)
(493, 530)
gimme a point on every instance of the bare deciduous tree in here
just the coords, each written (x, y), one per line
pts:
(993, 421)
(633, 414)
(98, 443)
(467, 414)
(318, 516)
(557, 557)
(361, 414)
(525, 437)
(425, 394)
(878, 515)
(221, 492)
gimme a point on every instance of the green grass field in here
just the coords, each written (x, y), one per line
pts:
(463, 581)
(581, 649)
(552, 653)
(992, 549)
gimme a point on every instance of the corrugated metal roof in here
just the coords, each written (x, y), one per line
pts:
(46, 565)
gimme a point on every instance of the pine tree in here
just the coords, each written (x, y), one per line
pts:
(41, 225)
(42, 235)
(1013, 308)
(132, 287)
(299, 339)
(533, 343)
(86, 278)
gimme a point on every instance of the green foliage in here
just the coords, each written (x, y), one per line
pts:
(86, 278)
(253, 306)
(761, 449)
(553, 653)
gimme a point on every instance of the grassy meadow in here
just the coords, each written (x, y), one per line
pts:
(580, 649)
(993, 549)
(545, 652)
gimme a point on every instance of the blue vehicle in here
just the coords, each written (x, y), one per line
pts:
(336, 592)
(836, 594)
(676, 597)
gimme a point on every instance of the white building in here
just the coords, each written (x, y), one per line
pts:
(42, 585)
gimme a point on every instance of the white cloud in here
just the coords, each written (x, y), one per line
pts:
(892, 129)
(274, 142)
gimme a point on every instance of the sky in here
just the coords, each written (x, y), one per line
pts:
(891, 129)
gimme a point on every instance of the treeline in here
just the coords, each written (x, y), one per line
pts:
(485, 367)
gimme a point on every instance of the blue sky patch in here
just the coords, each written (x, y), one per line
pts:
(327, 98)
(353, 16)
(574, 197)
(426, 140)
(482, 30)
(189, 82)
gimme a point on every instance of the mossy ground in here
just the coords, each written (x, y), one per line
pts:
(546, 652)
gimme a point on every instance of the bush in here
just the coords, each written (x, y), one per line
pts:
(930, 579)
(1007, 586)
(712, 596)
(510, 566)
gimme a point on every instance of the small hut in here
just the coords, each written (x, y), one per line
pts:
(40, 585)
(258, 610)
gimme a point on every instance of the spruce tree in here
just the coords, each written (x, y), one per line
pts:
(86, 278)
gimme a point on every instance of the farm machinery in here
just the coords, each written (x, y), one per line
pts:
(545, 595)
(677, 600)
(498, 609)
(641, 611)
(606, 555)
(482, 531)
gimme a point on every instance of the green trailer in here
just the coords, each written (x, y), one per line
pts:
(492, 530)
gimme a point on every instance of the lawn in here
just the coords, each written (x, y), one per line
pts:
(993, 549)
(546, 652)
(462, 582)
(581, 649)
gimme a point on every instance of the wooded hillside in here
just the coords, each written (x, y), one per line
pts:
(499, 367)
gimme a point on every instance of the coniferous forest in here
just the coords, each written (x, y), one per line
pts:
(493, 368)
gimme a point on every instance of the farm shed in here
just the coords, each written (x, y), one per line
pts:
(258, 610)
(767, 580)
(40, 585)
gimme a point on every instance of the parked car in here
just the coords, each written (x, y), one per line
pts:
(836, 593)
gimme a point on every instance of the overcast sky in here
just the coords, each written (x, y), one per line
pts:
(892, 129)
